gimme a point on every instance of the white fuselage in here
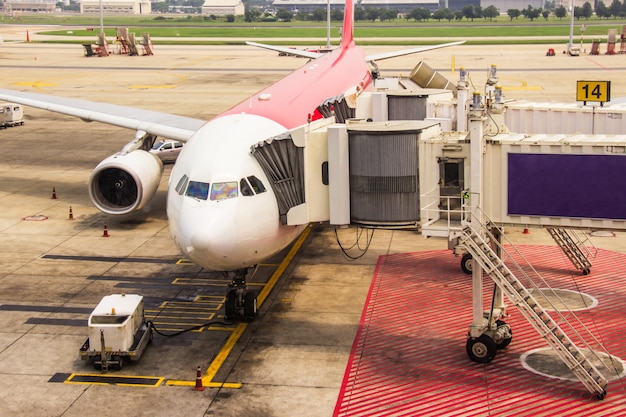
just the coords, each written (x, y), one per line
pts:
(219, 215)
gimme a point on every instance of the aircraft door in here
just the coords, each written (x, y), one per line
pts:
(451, 184)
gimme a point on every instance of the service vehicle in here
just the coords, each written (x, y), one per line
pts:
(11, 114)
(167, 150)
(118, 331)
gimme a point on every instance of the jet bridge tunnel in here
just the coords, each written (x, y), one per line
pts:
(377, 170)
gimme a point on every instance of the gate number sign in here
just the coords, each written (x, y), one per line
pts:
(599, 91)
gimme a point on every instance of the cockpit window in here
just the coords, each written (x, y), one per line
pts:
(224, 190)
(256, 184)
(199, 190)
(182, 185)
(246, 190)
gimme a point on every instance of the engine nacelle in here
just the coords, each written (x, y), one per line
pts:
(125, 182)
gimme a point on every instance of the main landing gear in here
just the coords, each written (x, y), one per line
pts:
(482, 349)
(240, 302)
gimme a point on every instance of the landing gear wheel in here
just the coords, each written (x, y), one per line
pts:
(586, 271)
(120, 363)
(506, 341)
(481, 349)
(249, 306)
(466, 263)
(230, 306)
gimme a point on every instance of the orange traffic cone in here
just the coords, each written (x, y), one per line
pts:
(27, 37)
(71, 214)
(54, 193)
(106, 231)
(526, 232)
(199, 386)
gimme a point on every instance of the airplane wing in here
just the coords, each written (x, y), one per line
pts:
(165, 125)
(289, 51)
(393, 54)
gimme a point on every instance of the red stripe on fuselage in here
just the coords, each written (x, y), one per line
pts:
(292, 99)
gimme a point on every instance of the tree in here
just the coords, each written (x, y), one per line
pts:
(587, 10)
(602, 10)
(359, 13)
(514, 13)
(230, 18)
(491, 12)
(446, 14)
(615, 8)
(531, 13)
(390, 14)
(578, 12)
(372, 13)
(468, 12)
(545, 14)
(560, 12)
(336, 15)
(319, 15)
(418, 14)
(284, 15)
(252, 15)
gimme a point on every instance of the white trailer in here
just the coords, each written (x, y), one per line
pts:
(117, 331)
(11, 114)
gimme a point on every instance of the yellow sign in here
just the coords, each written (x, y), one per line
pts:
(593, 91)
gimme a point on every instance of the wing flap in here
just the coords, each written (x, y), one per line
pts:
(165, 125)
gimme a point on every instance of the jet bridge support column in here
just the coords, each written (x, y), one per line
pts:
(476, 120)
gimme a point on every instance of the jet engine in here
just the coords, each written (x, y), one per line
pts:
(125, 182)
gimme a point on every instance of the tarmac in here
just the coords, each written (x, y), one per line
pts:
(291, 360)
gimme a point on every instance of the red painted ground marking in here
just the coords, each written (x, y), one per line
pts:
(408, 357)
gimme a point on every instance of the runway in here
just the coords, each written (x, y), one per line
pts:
(291, 360)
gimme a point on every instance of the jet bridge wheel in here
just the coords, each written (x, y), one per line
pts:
(481, 349)
(466, 263)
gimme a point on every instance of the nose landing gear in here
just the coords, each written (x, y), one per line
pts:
(241, 302)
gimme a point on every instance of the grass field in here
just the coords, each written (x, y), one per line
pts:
(209, 31)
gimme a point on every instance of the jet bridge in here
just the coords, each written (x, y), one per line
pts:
(462, 184)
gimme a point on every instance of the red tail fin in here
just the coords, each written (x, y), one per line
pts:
(347, 34)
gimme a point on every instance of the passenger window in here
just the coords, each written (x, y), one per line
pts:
(167, 146)
(224, 190)
(182, 185)
(246, 190)
(256, 184)
(198, 190)
(178, 145)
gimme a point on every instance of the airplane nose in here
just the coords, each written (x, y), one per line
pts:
(215, 238)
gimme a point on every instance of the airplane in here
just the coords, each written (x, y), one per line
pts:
(222, 208)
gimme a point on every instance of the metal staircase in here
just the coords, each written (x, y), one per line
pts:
(573, 247)
(476, 237)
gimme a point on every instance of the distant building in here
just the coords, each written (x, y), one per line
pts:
(308, 6)
(110, 7)
(12, 6)
(223, 7)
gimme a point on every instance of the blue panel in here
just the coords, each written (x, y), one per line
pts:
(581, 186)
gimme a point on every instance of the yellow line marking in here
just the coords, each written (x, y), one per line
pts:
(207, 378)
(283, 265)
(158, 380)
